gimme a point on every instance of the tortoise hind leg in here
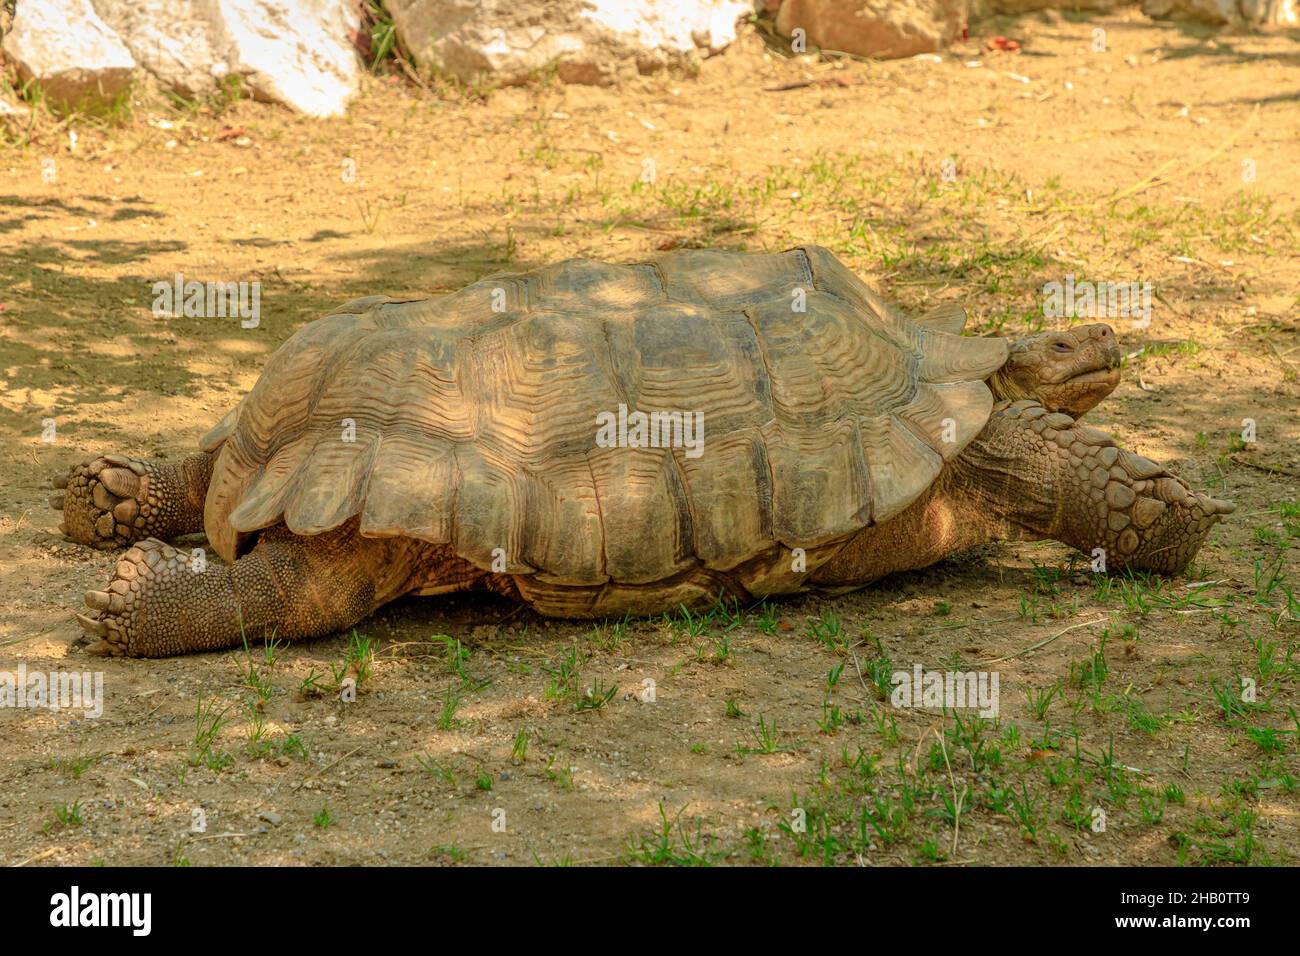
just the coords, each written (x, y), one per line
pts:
(1041, 475)
(111, 501)
(161, 601)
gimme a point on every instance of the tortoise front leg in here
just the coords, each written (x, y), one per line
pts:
(110, 501)
(1036, 474)
(160, 603)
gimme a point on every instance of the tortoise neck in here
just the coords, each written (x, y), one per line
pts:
(1005, 388)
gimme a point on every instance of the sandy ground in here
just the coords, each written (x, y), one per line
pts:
(476, 738)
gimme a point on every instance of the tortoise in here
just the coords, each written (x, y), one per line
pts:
(597, 440)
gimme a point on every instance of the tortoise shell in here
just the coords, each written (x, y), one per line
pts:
(471, 420)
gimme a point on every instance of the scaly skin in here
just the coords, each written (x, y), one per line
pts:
(1057, 479)
(112, 501)
(158, 603)
(1033, 474)
(1070, 371)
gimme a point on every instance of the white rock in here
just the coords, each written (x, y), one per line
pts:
(169, 38)
(585, 41)
(294, 52)
(879, 28)
(65, 47)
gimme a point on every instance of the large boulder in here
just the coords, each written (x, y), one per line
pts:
(876, 28)
(65, 47)
(170, 39)
(584, 41)
(295, 52)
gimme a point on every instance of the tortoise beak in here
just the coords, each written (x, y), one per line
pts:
(1103, 376)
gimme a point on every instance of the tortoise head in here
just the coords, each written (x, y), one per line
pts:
(1068, 371)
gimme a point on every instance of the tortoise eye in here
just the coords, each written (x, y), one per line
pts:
(1062, 347)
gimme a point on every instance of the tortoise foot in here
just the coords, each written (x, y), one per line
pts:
(145, 604)
(1155, 523)
(107, 502)
(1108, 499)
(162, 600)
(1043, 475)
(113, 501)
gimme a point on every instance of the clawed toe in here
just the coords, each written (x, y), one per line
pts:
(121, 610)
(1172, 533)
(104, 501)
(104, 601)
(91, 626)
(1175, 491)
(110, 631)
